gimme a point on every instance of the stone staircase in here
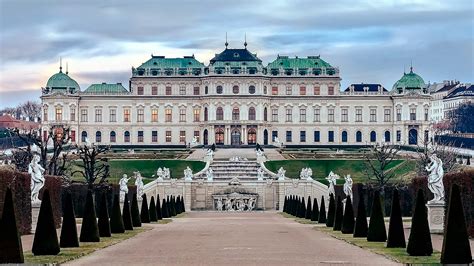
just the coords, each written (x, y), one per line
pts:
(224, 170)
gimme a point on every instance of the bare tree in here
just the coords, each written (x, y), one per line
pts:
(377, 161)
(94, 165)
(31, 110)
(444, 150)
(462, 118)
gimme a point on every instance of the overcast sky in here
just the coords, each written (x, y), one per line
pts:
(370, 41)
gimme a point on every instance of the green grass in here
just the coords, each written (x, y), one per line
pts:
(321, 168)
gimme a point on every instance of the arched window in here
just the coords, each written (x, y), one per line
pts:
(235, 113)
(98, 136)
(219, 89)
(264, 89)
(344, 136)
(112, 136)
(387, 136)
(235, 89)
(251, 113)
(358, 136)
(219, 113)
(206, 114)
(206, 90)
(126, 136)
(252, 89)
(373, 136)
(83, 136)
(265, 114)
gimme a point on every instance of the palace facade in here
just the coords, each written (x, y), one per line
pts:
(237, 100)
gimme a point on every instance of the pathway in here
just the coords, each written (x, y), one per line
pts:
(211, 238)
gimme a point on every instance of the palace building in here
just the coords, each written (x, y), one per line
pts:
(237, 100)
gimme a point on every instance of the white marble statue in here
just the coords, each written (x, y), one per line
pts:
(435, 179)
(194, 141)
(188, 173)
(309, 173)
(240, 205)
(166, 173)
(123, 186)
(277, 142)
(281, 174)
(251, 204)
(219, 205)
(210, 174)
(37, 179)
(139, 183)
(332, 178)
(228, 205)
(210, 153)
(159, 174)
(260, 174)
(259, 153)
(348, 186)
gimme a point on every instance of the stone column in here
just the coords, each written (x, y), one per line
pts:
(35, 208)
(436, 217)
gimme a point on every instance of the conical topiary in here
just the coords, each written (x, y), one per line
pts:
(331, 211)
(159, 209)
(348, 219)
(456, 249)
(361, 226)
(308, 209)
(164, 209)
(396, 235)
(338, 215)
(127, 217)
(46, 239)
(376, 231)
(10, 240)
(183, 208)
(419, 241)
(152, 210)
(173, 206)
(136, 221)
(68, 237)
(90, 228)
(145, 214)
(315, 212)
(297, 206)
(116, 220)
(322, 212)
(104, 222)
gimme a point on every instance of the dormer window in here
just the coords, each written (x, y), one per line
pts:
(236, 54)
(154, 72)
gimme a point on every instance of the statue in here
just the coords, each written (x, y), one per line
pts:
(309, 174)
(251, 204)
(188, 173)
(332, 178)
(260, 174)
(259, 153)
(37, 179)
(123, 186)
(209, 174)
(228, 205)
(303, 173)
(166, 173)
(210, 153)
(281, 173)
(277, 142)
(435, 179)
(194, 141)
(348, 186)
(159, 174)
(138, 183)
(219, 205)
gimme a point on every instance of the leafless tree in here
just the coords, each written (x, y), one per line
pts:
(94, 166)
(29, 109)
(377, 161)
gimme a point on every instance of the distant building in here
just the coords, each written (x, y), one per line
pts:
(7, 121)
(463, 93)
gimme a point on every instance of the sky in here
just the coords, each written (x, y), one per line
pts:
(370, 41)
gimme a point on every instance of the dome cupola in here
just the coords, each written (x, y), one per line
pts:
(409, 82)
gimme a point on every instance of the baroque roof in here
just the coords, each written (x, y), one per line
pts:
(62, 80)
(409, 80)
(239, 55)
(106, 88)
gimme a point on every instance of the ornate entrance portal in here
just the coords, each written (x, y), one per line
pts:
(219, 137)
(235, 137)
(252, 136)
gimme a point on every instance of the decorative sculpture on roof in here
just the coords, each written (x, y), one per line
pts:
(166, 173)
(306, 174)
(138, 183)
(123, 186)
(348, 186)
(281, 174)
(332, 178)
(37, 179)
(159, 174)
(188, 174)
(435, 179)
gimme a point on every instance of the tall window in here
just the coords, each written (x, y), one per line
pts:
(412, 114)
(83, 136)
(126, 115)
(182, 136)
(330, 90)
(275, 90)
(98, 115)
(302, 90)
(182, 90)
(98, 136)
(154, 90)
(168, 115)
(206, 114)
(219, 89)
(317, 115)
(344, 115)
(274, 135)
(196, 91)
(154, 136)
(344, 136)
(373, 136)
(264, 89)
(168, 90)
(251, 89)
(373, 115)
(399, 114)
(317, 136)
(317, 90)
(45, 114)
(235, 113)
(83, 115)
(303, 115)
(358, 136)
(140, 91)
(289, 115)
(274, 115)
(399, 135)
(387, 136)
(387, 116)
(73, 114)
(265, 114)
(252, 113)
(112, 115)
(288, 136)
(358, 115)
(426, 114)
(140, 115)
(197, 136)
(154, 115)
(168, 136)
(197, 114)
(331, 115)
(330, 136)
(235, 89)
(289, 90)
(219, 113)
(302, 136)
(73, 136)
(182, 115)
(113, 136)
(126, 136)
(140, 136)
(59, 113)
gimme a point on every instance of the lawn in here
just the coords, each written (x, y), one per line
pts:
(321, 168)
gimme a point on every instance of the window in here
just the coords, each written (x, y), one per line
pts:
(330, 115)
(289, 115)
(73, 136)
(45, 114)
(317, 90)
(126, 115)
(344, 115)
(413, 114)
(168, 136)
(251, 113)
(112, 115)
(140, 91)
(426, 114)
(196, 91)
(251, 89)
(274, 90)
(154, 90)
(373, 136)
(154, 115)
(73, 114)
(197, 136)
(387, 136)
(126, 136)
(83, 115)
(288, 136)
(235, 113)
(344, 136)
(206, 90)
(182, 136)
(373, 115)
(303, 115)
(182, 115)
(168, 115)
(358, 115)
(140, 115)
(168, 90)
(302, 90)
(235, 89)
(113, 136)
(265, 114)
(330, 136)
(98, 115)
(358, 136)
(83, 136)
(399, 135)
(182, 89)
(275, 115)
(399, 114)
(59, 113)
(387, 116)
(219, 89)
(302, 136)
(206, 114)
(154, 136)
(264, 89)
(317, 115)
(289, 90)
(219, 113)
(140, 136)
(330, 90)
(274, 135)
(317, 136)
(197, 114)
(427, 136)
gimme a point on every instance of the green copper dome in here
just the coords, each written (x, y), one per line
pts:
(410, 81)
(61, 80)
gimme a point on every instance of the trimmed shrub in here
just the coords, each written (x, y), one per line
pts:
(331, 211)
(46, 239)
(376, 231)
(308, 209)
(127, 217)
(456, 248)
(322, 212)
(159, 209)
(396, 235)
(68, 238)
(172, 206)
(104, 223)
(348, 219)
(89, 229)
(136, 221)
(152, 210)
(183, 208)
(145, 214)
(315, 212)
(302, 209)
(361, 226)
(164, 208)
(338, 215)
(419, 241)
(19, 184)
(116, 220)
(10, 240)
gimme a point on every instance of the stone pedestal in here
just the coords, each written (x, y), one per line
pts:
(35, 208)
(436, 217)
